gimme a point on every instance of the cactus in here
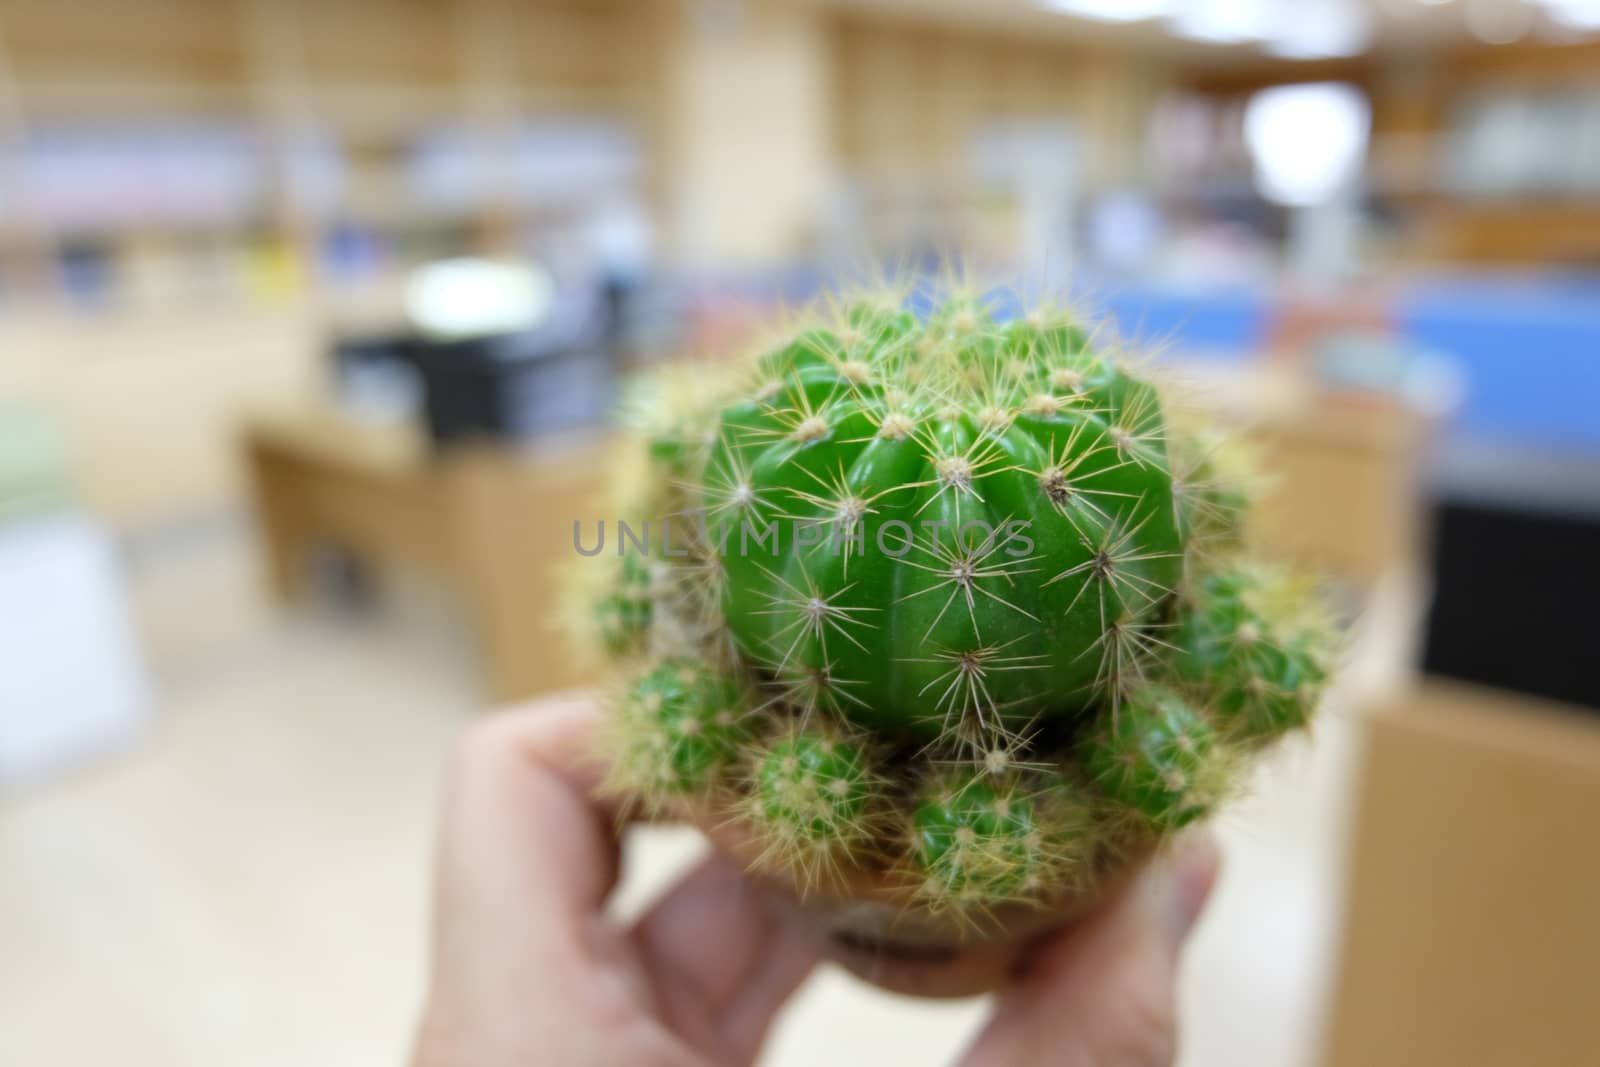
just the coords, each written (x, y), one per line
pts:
(813, 797)
(679, 726)
(623, 613)
(1258, 656)
(956, 600)
(1156, 758)
(982, 841)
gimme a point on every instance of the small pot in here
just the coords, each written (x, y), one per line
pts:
(869, 922)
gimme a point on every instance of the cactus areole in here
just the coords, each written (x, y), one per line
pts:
(954, 599)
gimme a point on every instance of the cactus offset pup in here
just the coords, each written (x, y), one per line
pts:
(945, 613)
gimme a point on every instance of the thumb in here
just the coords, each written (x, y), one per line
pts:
(1100, 994)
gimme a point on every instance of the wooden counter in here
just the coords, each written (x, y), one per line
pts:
(493, 523)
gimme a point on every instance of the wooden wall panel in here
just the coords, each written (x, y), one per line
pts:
(154, 56)
(908, 96)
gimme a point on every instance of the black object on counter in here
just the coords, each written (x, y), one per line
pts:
(1516, 573)
(510, 387)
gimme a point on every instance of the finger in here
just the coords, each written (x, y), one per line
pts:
(1101, 994)
(789, 960)
(524, 845)
(724, 959)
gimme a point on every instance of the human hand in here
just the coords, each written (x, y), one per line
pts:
(528, 968)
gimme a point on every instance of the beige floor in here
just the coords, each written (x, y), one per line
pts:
(247, 886)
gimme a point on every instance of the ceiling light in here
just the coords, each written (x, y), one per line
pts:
(1224, 21)
(1498, 22)
(1307, 141)
(1309, 46)
(1321, 29)
(461, 298)
(1574, 14)
(1111, 10)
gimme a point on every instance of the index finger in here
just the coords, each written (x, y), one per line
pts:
(523, 832)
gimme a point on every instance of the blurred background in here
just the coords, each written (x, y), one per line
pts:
(312, 315)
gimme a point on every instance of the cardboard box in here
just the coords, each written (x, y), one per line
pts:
(1472, 933)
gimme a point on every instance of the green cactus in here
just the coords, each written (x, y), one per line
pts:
(1155, 755)
(1262, 667)
(959, 599)
(814, 798)
(680, 725)
(994, 839)
(623, 613)
(977, 842)
(971, 534)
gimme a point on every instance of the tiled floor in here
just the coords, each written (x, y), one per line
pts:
(247, 886)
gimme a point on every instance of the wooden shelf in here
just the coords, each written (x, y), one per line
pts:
(371, 76)
(1547, 232)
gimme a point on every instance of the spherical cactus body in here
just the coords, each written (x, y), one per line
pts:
(958, 539)
(962, 606)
